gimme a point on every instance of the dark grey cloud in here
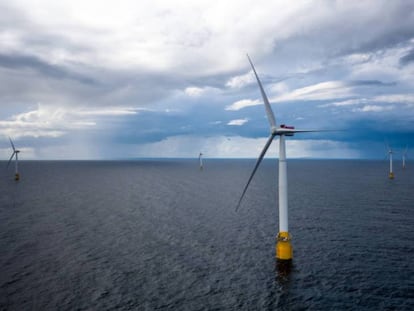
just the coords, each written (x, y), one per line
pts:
(29, 80)
(40, 66)
(408, 58)
(391, 26)
(384, 25)
(371, 83)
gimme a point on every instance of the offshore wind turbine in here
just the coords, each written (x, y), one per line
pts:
(404, 156)
(284, 250)
(390, 152)
(200, 160)
(15, 153)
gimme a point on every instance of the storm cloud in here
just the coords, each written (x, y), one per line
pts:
(147, 72)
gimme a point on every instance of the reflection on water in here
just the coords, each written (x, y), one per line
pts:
(283, 268)
(283, 279)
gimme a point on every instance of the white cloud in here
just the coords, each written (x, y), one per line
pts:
(108, 111)
(243, 104)
(154, 34)
(396, 98)
(240, 81)
(209, 36)
(43, 122)
(384, 66)
(320, 91)
(407, 99)
(204, 36)
(238, 122)
(357, 58)
(374, 108)
(279, 88)
(349, 102)
(194, 91)
(54, 121)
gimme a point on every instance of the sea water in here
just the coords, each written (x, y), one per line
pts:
(164, 235)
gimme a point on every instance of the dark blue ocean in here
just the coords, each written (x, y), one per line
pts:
(163, 235)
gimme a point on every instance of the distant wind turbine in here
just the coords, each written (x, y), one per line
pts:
(404, 155)
(15, 153)
(284, 250)
(200, 160)
(390, 152)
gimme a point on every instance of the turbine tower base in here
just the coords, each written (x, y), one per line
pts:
(391, 175)
(16, 176)
(284, 250)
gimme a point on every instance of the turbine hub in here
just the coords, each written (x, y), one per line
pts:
(284, 126)
(284, 130)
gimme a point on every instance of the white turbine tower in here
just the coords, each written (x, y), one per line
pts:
(284, 251)
(390, 152)
(404, 155)
(15, 153)
(200, 160)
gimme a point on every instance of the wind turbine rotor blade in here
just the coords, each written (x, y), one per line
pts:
(259, 160)
(387, 146)
(269, 111)
(8, 163)
(305, 131)
(14, 149)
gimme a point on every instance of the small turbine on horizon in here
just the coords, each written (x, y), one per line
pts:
(200, 160)
(404, 155)
(284, 250)
(390, 152)
(15, 153)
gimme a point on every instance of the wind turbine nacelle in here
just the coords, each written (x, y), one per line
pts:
(288, 127)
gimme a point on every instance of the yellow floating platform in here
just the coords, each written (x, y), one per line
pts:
(284, 250)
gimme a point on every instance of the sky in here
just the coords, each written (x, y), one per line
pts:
(130, 79)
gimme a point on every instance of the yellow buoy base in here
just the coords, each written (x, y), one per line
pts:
(16, 176)
(391, 175)
(284, 250)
